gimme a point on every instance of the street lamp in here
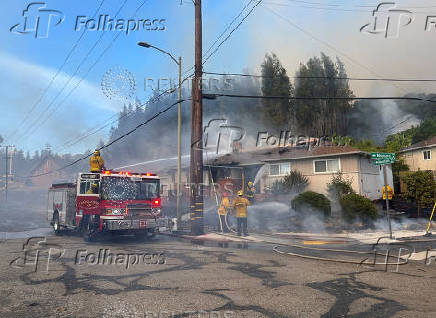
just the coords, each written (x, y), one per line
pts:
(179, 125)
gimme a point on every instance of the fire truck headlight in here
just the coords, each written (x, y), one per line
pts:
(115, 211)
(156, 211)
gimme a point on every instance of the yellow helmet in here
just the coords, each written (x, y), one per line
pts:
(250, 183)
(93, 185)
(240, 193)
(97, 152)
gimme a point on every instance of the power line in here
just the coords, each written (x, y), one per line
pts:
(35, 124)
(113, 141)
(328, 77)
(341, 9)
(231, 32)
(214, 96)
(228, 27)
(55, 76)
(106, 123)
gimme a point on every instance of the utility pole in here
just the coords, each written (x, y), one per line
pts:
(385, 176)
(7, 172)
(196, 169)
(179, 147)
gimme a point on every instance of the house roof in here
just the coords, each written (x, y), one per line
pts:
(282, 153)
(430, 142)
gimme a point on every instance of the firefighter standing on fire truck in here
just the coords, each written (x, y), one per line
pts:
(240, 204)
(96, 162)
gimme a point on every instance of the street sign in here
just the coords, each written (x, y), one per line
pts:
(381, 155)
(383, 162)
(381, 158)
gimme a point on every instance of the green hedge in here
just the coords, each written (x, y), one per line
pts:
(356, 206)
(312, 200)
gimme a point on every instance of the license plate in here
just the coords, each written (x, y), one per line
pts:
(142, 224)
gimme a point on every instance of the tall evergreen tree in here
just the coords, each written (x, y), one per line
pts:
(319, 78)
(276, 82)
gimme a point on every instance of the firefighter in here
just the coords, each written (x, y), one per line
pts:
(93, 189)
(96, 162)
(222, 212)
(240, 204)
(251, 190)
(390, 196)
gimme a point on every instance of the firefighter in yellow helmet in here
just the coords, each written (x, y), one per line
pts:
(240, 204)
(96, 162)
(222, 212)
(93, 189)
(390, 196)
(250, 191)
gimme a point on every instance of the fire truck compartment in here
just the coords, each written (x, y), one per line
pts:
(113, 225)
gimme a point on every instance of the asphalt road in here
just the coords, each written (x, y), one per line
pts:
(167, 277)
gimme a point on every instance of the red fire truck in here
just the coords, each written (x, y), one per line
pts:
(110, 201)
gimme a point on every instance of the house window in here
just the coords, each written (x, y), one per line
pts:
(427, 154)
(280, 169)
(325, 166)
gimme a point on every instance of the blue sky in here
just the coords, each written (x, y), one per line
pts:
(28, 64)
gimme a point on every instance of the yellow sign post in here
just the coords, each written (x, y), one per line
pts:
(429, 223)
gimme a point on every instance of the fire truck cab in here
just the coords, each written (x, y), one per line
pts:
(109, 201)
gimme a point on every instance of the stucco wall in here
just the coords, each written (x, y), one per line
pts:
(415, 159)
(366, 178)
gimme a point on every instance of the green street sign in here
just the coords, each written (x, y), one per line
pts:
(383, 162)
(383, 156)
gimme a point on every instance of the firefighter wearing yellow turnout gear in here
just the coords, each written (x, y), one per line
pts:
(250, 191)
(96, 162)
(222, 212)
(240, 205)
(390, 196)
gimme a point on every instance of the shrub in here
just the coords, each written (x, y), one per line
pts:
(357, 206)
(312, 200)
(420, 188)
(338, 187)
(277, 188)
(295, 181)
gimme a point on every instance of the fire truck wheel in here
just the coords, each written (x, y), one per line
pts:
(88, 230)
(56, 226)
(152, 232)
(141, 235)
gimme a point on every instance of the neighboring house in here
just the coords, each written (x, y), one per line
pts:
(421, 156)
(45, 172)
(319, 164)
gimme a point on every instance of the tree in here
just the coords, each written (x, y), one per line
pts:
(318, 78)
(275, 82)
(420, 188)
